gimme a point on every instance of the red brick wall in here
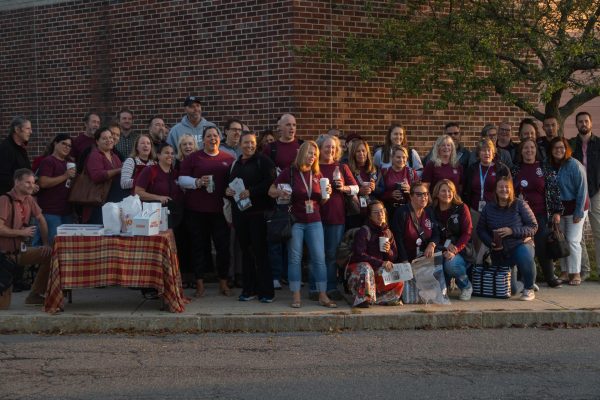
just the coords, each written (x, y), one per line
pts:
(61, 60)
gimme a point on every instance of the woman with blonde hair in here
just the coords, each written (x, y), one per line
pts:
(185, 146)
(302, 177)
(455, 226)
(142, 155)
(444, 164)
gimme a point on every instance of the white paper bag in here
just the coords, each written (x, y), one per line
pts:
(111, 218)
(130, 207)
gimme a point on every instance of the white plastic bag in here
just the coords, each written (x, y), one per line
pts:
(111, 218)
(130, 207)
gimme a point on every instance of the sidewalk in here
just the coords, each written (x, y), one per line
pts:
(123, 310)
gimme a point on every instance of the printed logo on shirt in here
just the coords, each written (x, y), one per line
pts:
(428, 223)
(454, 171)
(454, 218)
(538, 172)
(224, 163)
(493, 174)
(524, 183)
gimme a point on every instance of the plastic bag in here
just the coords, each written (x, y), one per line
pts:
(111, 218)
(130, 207)
(428, 284)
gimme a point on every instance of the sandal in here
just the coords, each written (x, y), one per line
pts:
(575, 282)
(328, 304)
(296, 305)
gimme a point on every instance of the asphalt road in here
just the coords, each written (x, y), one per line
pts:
(472, 364)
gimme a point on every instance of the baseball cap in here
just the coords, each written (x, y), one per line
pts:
(191, 99)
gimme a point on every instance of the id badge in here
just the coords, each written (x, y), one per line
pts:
(363, 201)
(23, 247)
(481, 205)
(308, 204)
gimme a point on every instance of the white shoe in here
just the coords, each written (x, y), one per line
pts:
(465, 294)
(528, 295)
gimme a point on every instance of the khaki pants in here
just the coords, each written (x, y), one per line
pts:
(32, 256)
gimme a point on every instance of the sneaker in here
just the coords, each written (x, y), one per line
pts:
(364, 304)
(536, 288)
(34, 300)
(465, 294)
(277, 284)
(266, 299)
(528, 295)
(244, 297)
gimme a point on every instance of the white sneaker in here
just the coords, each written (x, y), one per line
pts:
(536, 288)
(528, 295)
(465, 294)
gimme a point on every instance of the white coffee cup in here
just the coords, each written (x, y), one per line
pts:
(382, 241)
(71, 165)
(324, 182)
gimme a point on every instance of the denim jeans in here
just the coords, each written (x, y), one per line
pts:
(457, 268)
(573, 235)
(333, 235)
(312, 235)
(522, 257)
(53, 221)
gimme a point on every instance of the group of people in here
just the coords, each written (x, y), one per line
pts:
(222, 186)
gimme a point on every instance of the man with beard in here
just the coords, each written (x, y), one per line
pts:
(128, 137)
(586, 149)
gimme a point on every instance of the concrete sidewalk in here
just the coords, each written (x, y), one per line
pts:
(119, 309)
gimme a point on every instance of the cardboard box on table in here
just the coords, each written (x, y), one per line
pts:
(147, 223)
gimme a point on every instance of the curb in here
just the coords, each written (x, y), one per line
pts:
(74, 323)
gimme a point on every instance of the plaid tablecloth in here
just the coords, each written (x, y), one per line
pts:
(139, 261)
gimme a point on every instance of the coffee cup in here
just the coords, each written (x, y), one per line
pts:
(382, 241)
(324, 182)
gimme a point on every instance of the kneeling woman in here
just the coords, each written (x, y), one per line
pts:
(368, 261)
(507, 227)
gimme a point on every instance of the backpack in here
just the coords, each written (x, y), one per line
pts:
(344, 250)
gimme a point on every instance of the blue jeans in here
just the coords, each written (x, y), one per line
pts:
(333, 235)
(53, 221)
(457, 269)
(312, 235)
(522, 257)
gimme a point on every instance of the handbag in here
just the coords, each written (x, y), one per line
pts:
(87, 193)
(279, 225)
(428, 284)
(491, 281)
(556, 244)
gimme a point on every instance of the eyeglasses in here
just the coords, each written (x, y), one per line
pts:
(235, 129)
(453, 133)
(421, 194)
(66, 145)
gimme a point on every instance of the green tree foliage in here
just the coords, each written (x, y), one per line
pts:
(466, 50)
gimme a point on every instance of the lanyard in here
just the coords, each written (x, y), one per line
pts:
(482, 179)
(308, 188)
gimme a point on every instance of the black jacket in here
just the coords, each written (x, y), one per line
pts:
(258, 173)
(12, 158)
(593, 161)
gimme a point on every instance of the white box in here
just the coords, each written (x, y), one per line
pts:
(146, 225)
(80, 230)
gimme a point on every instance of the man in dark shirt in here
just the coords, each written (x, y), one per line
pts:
(157, 131)
(86, 139)
(13, 152)
(504, 140)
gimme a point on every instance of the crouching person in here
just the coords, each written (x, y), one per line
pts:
(369, 260)
(16, 209)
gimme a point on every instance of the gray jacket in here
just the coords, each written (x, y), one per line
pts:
(186, 127)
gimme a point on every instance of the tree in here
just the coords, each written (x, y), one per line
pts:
(526, 51)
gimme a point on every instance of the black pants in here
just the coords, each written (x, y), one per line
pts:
(540, 247)
(202, 227)
(251, 230)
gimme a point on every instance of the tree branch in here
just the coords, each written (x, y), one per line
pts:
(589, 27)
(578, 100)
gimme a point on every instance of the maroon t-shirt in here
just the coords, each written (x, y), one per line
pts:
(80, 143)
(199, 164)
(530, 183)
(411, 234)
(488, 186)
(54, 200)
(286, 153)
(156, 181)
(433, 174)
(391, 178)
(300, 195)
(333, 212)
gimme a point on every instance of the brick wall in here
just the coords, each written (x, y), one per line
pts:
(60, 60)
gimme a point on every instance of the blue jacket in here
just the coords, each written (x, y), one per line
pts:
(517, 217)
(572, 182)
